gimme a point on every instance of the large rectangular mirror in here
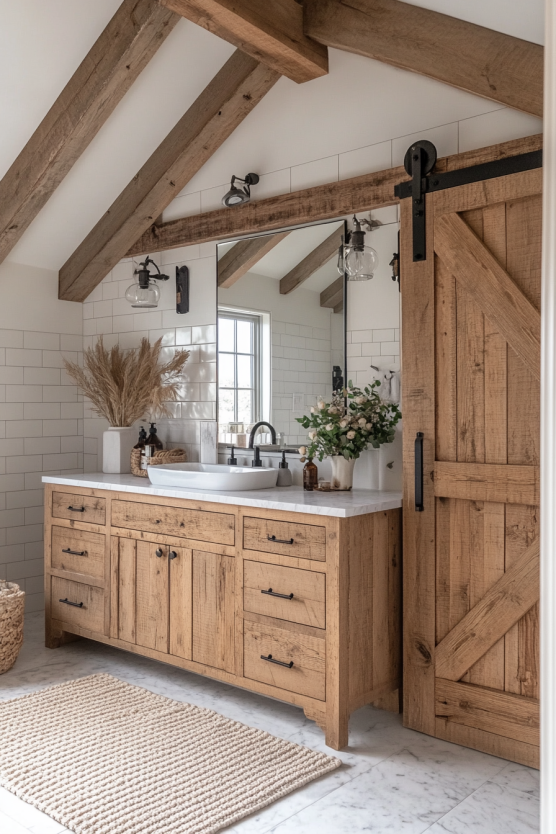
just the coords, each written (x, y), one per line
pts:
(281, 330)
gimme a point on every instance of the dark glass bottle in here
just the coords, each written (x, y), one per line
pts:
(153, 439)
(142, 439)
(310, 475)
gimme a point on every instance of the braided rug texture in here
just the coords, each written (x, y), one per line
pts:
(102, 756)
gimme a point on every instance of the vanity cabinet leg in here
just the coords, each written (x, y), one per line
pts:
(336, 735)
(56, 637)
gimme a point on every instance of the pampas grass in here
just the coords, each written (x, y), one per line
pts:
(125, 386)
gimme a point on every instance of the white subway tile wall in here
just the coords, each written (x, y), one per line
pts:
(41, 431)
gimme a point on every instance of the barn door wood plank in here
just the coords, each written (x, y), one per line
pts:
(478, 271)
(501, 607)
(419, 527)
(487, 482)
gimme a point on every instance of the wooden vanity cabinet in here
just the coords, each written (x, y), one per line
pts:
(304, 608)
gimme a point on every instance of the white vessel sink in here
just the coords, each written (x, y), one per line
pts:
(212, 476)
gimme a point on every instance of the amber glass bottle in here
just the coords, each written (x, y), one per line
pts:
(310, 475)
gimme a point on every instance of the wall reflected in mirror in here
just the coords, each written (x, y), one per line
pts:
(281, 330)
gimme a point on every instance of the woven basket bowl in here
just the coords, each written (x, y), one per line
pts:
(162, 456)
(12, 605)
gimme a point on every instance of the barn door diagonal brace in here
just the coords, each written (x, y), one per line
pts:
(419, 163)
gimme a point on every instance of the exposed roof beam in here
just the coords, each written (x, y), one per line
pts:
(271, 32)
(323, 202)
(481, 61)
(243, 255)
(333, 295)
(313, 261)
(125, 47)
(339, 307)
(221, 107)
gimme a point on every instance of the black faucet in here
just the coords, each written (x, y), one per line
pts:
(257, 457)
(232, 460)
(254, 431)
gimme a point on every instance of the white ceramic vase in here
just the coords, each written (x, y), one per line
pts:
(342, 472)
(117, 444)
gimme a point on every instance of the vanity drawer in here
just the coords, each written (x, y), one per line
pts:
(286, 538)
(87, 610)
(79, 507)
(304, 592)
(306, 676)
(78, 551)
(199, 525)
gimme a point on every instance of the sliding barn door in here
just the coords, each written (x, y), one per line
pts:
(470, 370)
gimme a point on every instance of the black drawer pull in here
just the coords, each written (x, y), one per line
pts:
(76, 509)
(279, 541)
(419, 505)
(75, 604)
(278, 662)
(159, 553)
(173, 555)
(272, 593)
(74, 552)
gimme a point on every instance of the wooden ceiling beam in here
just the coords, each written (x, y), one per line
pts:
(323, 202)
(124, 48)
(226, 101)
(333, 295)
(243, 256)
(271, 32)
(313, 261)
(479, 60)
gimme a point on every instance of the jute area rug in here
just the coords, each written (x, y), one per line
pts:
(103, 757)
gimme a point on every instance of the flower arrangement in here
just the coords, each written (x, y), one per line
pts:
(126, 385)
(352, 422)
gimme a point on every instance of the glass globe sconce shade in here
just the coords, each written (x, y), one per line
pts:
(360, 261)
(235, 196)
(144, 293)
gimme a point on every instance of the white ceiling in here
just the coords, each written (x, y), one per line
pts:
(360, 103)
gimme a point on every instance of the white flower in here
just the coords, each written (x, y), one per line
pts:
(302, 450)
(362, 422)
(344, 423)
(360, 400)
(320, 404)
(350, 435)
(334, 410)
(329, 427)
(312, 409)
(369, 426)
(312, 434)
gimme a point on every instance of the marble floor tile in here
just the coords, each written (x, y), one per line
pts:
(392, 780)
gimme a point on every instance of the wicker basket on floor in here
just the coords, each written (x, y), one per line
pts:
(12, 605)
(162, 456)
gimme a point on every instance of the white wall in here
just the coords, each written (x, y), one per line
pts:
(41, 414)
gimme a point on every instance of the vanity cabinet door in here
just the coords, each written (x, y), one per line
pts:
(152, 597)
(213, 610)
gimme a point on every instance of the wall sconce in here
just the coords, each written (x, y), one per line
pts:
(144, 293)
(236, 195)
(359, 260)
(182, 289)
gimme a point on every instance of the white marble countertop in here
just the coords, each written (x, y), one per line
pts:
(291, 499)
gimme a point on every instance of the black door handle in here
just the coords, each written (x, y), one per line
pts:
(74, 552)
(173, 555)
(279, 541)
(419, 506)
(159, 553)
(278, 662)
(272, 593)
(75, 604)
(76, 509)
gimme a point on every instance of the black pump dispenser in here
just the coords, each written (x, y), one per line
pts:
(232, 460)
(283, 463)
(153, 438)
(142, 439)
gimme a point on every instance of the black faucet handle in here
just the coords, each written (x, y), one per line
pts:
(232, 460)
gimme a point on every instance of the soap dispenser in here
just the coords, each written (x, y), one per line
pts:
(142, 439)
(153, 438)
(284, 473)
